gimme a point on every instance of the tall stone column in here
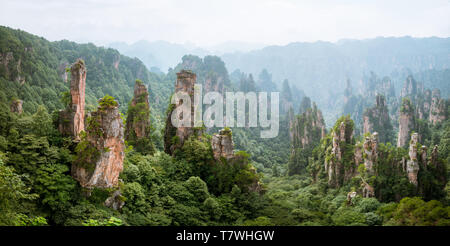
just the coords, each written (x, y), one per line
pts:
(71, 120)
(174, 137)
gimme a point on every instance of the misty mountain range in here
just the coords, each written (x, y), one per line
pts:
(320, 69)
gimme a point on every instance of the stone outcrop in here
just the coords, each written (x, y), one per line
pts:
(71, 120)
(100, 154)
(222, 144)
(137, 130)
(116, 201)
(16, 106)
(412, 167)
(376, 119)
(350, 196)
(174, 137)
(437, 108)
(141, 126)
(406, 122)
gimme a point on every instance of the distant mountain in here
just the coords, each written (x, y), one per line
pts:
(322, 68)
(159, 54)
(163, 55)
(234, 46)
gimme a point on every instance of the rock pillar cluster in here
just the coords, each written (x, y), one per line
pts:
(100, 142)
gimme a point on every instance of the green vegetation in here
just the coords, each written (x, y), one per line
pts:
(107, 102)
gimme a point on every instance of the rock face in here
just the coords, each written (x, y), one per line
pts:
(437, 108)
(71, 120)
(406, 122)
(377, 119)
(335, 162)
(412, 165)
(175, 137)
(16, 106)
(222, 144)
(101, 153)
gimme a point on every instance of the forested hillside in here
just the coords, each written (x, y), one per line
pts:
(86, 139)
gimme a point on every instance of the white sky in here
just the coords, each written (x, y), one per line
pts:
(209, 22)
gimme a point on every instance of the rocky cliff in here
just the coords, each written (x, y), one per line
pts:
(100, 153)
(71, 120)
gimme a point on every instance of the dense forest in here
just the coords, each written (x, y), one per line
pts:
(86, 140)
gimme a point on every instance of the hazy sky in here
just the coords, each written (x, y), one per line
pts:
(209, 22)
